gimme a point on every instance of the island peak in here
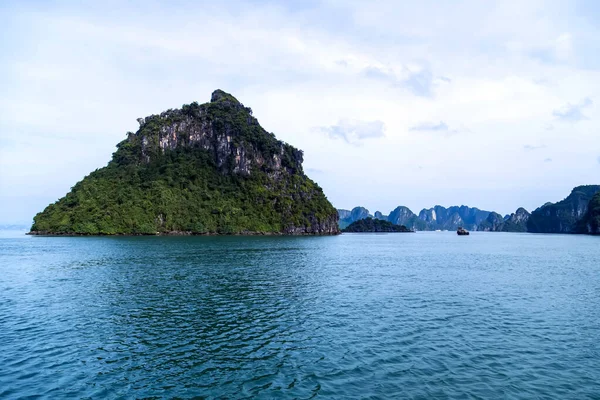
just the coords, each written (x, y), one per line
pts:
(201, 169)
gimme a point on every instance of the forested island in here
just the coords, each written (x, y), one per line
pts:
(375, 226)
(202, 169)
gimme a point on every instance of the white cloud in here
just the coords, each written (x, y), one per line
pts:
(353, 131)
(573, 112)
(431, 126)
(529, 147)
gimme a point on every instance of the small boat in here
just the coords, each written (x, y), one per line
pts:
(462, 232)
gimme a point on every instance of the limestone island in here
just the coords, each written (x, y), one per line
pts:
(202, 169)
(375, 226)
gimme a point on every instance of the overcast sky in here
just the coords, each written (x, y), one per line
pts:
(487, 104)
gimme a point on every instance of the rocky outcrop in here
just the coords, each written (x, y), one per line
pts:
(564, 216)
(347, 217)
(315, 226)
(343, 214)
(442, 218)
(590, 224)
(517, 221)
(493, 223)
(404, 216)
(225, 128)
(202, 169)
(379, 215)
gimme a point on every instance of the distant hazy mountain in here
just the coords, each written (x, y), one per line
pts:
(379, 215)
(436, 218)
(492, 223)
(404, 216)
(578, 213)
(451, 218)
(13, 227)
(515, 222)
(349, 216)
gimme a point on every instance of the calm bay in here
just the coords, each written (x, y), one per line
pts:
(492, 315)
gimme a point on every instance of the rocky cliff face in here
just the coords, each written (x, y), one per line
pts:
(591, 222)
(564, 216)
(348, 217)
(202, 169)
(451, 218)
(404, 216)
(401, 216)
(517, 221)
(429, 216)
(379, 215)
(343, 214)
(225, 128)
(492, 223)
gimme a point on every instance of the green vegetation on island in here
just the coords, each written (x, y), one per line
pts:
(374, 225)
(591, 222)
(564, 216)
(202, 169)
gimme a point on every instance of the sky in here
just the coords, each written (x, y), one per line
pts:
(489, 104)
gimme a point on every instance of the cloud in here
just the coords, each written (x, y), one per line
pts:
(430, 127)
(573, 112)
(542, 81)
(436, 127)
(379, 74)
(558, 50)
(353, 131)
(419, 83)
(529, 147)
(547, 160)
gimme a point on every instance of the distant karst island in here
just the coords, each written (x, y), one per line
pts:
(577, 213)
(202, 169)
(372, 225)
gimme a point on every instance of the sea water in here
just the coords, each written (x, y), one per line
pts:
(425, 315)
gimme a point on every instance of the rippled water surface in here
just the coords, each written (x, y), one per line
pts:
(426, 315)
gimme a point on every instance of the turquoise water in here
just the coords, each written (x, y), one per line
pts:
(426, 315)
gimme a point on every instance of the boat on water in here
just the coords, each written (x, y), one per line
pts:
(462, 231)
